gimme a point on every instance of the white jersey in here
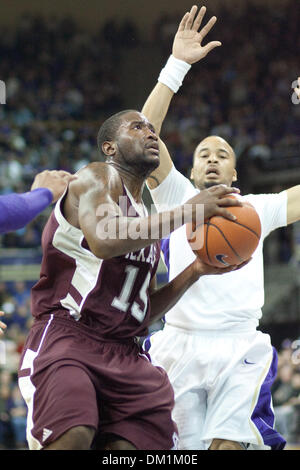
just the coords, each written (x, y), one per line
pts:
(229, 301)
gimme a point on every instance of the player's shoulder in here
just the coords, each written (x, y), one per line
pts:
(258, 201)
(266, 204)
(263, 198)
(96, 171)
(176, 176)
(97, 176)
(250, 197)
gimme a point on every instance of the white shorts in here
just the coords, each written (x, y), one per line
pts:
(222, 386)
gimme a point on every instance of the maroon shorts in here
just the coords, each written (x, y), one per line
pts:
(68, 377)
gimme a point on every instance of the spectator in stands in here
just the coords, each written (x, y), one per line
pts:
(286, 394)
(17, 410)
(21, 293)
(5, 428)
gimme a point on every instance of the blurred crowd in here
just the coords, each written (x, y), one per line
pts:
(286, 391)
(62, 82)
(15, 301)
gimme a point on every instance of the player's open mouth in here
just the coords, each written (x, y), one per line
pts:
(212, 172)
(153, 148)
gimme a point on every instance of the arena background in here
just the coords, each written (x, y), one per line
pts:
(68, 65)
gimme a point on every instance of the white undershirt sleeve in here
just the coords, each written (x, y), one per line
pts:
(175, 189)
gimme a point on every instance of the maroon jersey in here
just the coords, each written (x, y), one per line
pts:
(109, 296)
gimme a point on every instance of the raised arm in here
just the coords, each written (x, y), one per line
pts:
(187, 49)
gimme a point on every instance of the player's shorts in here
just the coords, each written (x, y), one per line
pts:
(68, 378)
(222, 386)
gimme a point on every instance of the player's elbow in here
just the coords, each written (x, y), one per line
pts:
(101, 251)
(108, 248)
(103, 254)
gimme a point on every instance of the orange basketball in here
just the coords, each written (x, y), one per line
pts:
(227, 242)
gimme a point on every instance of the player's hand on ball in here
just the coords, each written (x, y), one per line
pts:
(214, 202)
(203, 269)
(187, 45)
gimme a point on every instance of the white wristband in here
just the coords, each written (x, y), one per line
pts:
(173, 73)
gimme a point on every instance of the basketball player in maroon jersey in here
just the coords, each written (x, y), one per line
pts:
(83, 374)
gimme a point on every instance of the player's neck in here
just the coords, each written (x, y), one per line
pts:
(134, 183)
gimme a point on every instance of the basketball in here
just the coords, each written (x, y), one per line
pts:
(227, 242)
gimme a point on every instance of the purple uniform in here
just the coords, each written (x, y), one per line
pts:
(81, 363)
(17, 210)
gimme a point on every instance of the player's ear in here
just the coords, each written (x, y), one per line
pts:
(192, 174)
(109, 148)
(234, 176)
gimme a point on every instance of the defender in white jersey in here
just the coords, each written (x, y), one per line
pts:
(220, 366)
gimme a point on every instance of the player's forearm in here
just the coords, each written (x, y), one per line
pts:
(17, 210)
(163, 299)
(118, 236)
(169, 81)
(157, 105)
(155, 109)
(293, 206)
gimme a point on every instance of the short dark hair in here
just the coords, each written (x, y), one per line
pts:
(109, 128)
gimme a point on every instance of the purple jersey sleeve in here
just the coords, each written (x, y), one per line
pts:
(17, 210)
(165, 248)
